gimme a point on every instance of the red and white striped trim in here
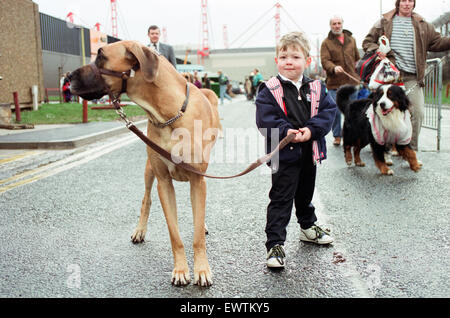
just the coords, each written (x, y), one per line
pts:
(315, 100)
(274, 86)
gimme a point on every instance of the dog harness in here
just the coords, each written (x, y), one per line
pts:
(385, 137)
(274, 86)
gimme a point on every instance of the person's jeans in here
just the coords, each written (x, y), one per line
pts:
(416, 108)
(223, 93)
(336, 128)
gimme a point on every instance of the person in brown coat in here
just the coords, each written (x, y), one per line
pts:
(410, 38)
(339, 54)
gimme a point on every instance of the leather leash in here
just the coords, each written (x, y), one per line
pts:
(176, 160)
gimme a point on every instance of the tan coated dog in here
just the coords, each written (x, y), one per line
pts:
(161, 91)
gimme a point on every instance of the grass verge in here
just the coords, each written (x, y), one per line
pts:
(72, 113)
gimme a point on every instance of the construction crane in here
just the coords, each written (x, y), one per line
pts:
(204, 46)
(70, 17)
(225, 37)
(115, 30)
(277, 22)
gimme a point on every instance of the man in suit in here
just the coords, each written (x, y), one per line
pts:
(165, 49)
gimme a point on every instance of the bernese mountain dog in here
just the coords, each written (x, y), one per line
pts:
(381, 120)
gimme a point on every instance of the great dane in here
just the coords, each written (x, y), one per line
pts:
(154, 84)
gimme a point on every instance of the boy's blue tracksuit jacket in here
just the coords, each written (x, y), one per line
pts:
(270, 115)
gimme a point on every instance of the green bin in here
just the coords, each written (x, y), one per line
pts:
(216, 88)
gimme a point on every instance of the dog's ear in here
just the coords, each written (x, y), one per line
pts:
(148, 61)
(404, 100)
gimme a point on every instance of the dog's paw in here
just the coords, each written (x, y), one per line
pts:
(138, 235)
(349, 163)
(360, 164)
(203, 278)
(389, 172)
(180, 277)
(416, 168)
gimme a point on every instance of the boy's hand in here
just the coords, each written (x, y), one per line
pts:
(304, 134)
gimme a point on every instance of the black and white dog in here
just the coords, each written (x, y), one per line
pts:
(383, 120)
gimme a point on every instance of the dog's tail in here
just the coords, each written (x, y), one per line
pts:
(343, 98)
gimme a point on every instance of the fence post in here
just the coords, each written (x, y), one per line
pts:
(85, 111)
(17, 106)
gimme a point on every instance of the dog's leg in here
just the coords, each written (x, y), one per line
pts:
(202, 271)
(409, 155)
(348, 154)
(378, 156)
(138, 235)
(357, 157)
(166, 192)
(388, 159)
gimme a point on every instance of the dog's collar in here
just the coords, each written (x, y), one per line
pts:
(180, 112)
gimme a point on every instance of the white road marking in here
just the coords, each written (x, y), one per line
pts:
(64, 164)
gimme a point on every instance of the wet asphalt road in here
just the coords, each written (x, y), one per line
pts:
(68, 235)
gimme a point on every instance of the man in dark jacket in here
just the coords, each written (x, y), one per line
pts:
(338, 53)
(165, 49)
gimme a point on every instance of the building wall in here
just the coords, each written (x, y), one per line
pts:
(237, 64)
(20, 51)
(56, 65)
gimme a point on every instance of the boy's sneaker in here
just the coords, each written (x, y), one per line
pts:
(275, 257)
(316, 234)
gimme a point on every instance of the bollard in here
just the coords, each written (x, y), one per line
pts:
(85, 111)
(16, 103)
(35, 95)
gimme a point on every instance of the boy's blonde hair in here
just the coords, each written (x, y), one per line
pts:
(296, 39)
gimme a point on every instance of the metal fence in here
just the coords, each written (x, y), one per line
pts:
(433, 97)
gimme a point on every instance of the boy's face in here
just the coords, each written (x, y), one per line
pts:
(291, 63)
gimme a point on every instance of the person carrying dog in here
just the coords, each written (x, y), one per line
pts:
(410, 38)
(338, 53)
(308, 112)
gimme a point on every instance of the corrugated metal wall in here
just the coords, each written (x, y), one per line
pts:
(62, 37)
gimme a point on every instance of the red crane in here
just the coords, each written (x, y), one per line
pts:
(277, 22)
(204, 48)
(70, 17)
(115, 30)
(225, 37)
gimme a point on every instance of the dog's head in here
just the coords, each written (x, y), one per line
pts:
(120, 56)
(388, 98)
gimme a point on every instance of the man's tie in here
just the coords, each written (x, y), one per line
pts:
(154, 45)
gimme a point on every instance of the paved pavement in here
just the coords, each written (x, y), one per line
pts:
(61, 136)
(67, 235)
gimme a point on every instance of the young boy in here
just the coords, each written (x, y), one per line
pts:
(293, 177)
